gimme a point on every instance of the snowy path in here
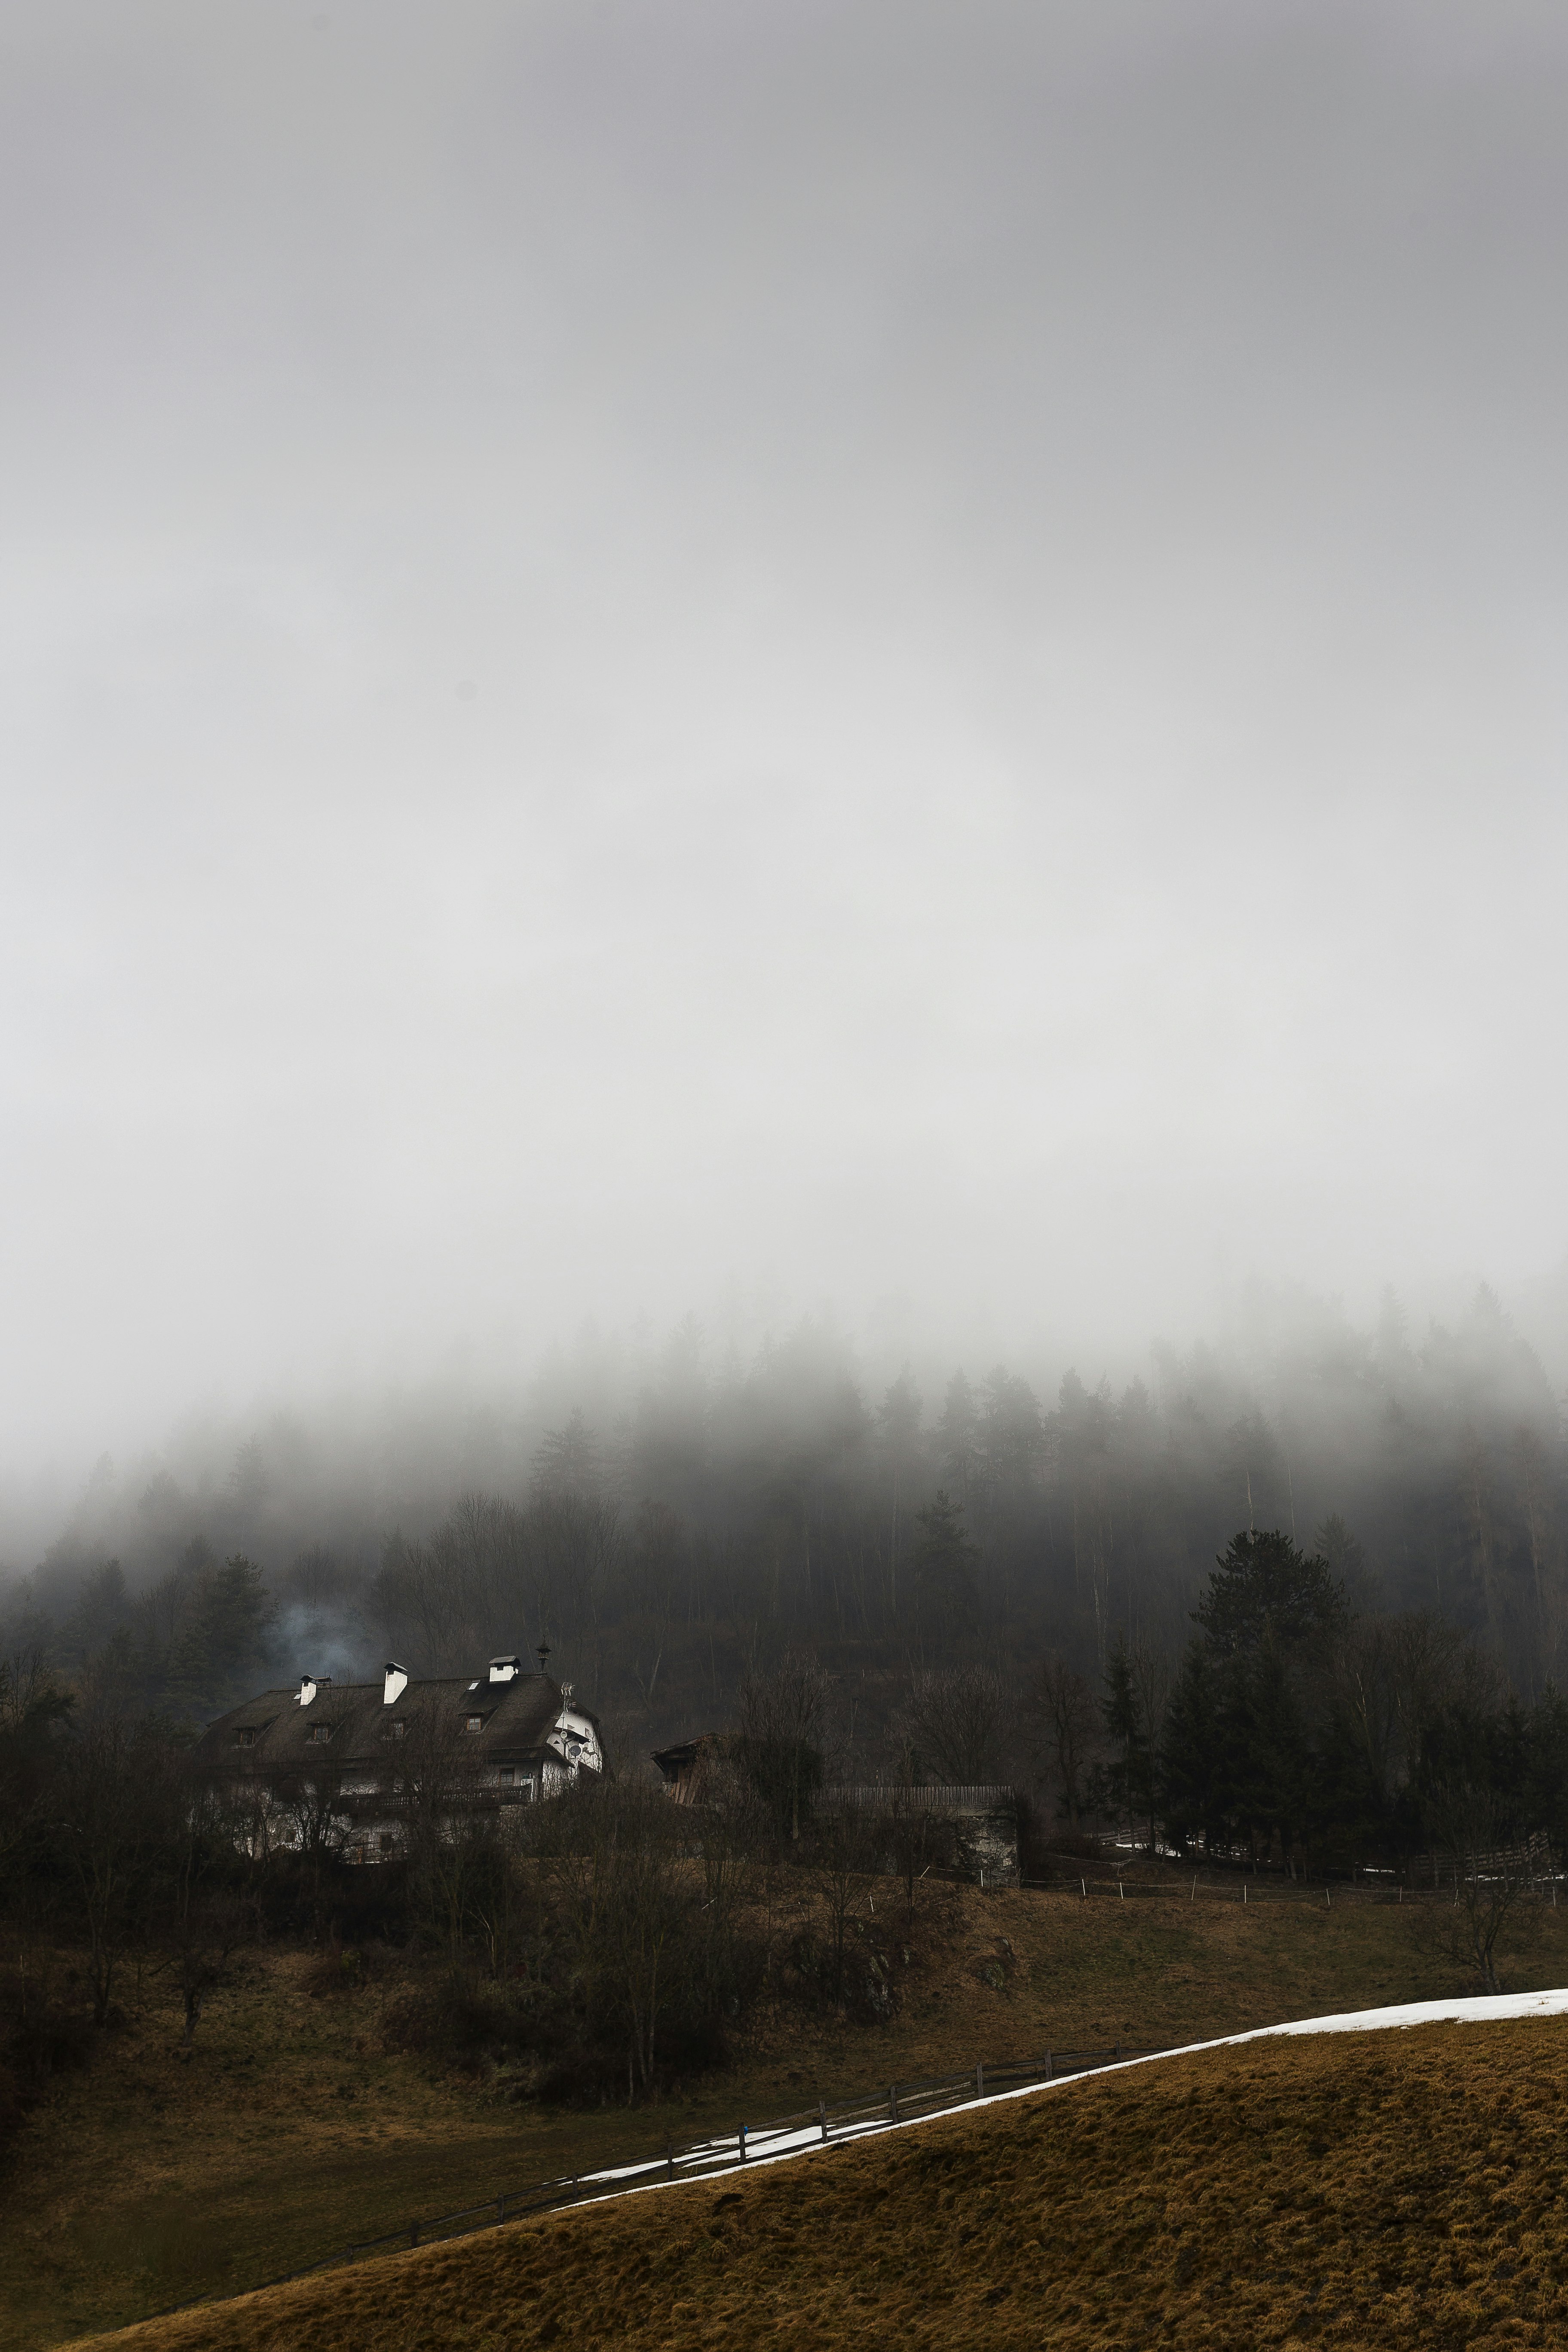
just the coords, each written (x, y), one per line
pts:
(716, 2158)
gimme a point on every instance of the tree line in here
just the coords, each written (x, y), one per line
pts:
(668, 1537)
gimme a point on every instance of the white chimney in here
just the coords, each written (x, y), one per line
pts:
(397, 1683)
(307, 1689)
(505, 1670)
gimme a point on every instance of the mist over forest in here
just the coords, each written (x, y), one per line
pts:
(674, 1519)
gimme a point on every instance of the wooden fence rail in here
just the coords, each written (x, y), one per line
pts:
(1273, 1892)
(702, 2159)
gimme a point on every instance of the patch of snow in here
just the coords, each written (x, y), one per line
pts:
(707, 2162)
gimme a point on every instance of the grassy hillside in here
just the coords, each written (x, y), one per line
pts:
(1395, 2187)
(294, 2129)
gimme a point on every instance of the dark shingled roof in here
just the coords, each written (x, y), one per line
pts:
(519, 1716)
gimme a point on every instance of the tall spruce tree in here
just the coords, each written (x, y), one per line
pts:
(1129, 1780)
(1262, 1585)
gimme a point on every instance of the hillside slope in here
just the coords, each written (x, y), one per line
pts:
(1396, 2187)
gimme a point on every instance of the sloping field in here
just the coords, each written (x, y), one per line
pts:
(294, 2129)
(1390, 2186)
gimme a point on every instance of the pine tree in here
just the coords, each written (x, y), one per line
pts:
(1189, 1750)
(944, 1564)
(1261, 1585)
(1129, 1780)
(958, 1437)
(222, 1639)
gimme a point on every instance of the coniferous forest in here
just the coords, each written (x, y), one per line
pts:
(1301, 1598)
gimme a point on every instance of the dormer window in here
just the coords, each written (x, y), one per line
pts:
(399, 1731)
(248, 1737)
(320, 1733)
(474, 1723)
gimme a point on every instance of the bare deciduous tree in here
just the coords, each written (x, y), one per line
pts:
(960, 1722)
(608, 1853)
(844, 1858)
(115, 1801)
(1067, 1728)
(206, 1914)
(783, 1717)
(433, 1772)
(1489, 1875)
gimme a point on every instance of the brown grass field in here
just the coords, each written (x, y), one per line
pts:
(1383, 2189)
(148, 2179)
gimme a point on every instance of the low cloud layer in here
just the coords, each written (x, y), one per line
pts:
(667, 658)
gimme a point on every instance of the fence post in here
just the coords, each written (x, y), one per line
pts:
(822, 2116)
(742, 2140)
(1244, 1890)
(1049, 2069)
(1121, 1890)
(1194, 1896)
(668, 2159)
(979, 2082)
(1083, 1890)
(892, 2102)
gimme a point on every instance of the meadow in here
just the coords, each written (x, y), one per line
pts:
(1398, 2188)
(294, 2127)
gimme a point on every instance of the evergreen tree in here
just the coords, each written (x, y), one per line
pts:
(1279, 1761)
(1545, 1802)
(1189, 1750)
(222, 1639)
(898, 1418)
(1262, 1586)
(958, 1437)
(1128, 1778)
(944, 1564)
(102, 1607)
(1010, 1436)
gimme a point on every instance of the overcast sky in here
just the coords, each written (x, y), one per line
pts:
(897, 654)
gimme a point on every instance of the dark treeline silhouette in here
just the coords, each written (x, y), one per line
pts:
(667, 1530)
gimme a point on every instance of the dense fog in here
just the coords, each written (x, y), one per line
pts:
(669, 1518)
(898, 656)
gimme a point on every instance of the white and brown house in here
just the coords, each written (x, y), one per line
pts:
(352, 1763)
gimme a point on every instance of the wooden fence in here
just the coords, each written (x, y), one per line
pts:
(700, 2159)
(1085, 1878)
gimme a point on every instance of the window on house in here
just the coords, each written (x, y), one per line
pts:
(508, 1775)
(320, 1732)
(476, 1723)
(398, 1730)
(247, 1738)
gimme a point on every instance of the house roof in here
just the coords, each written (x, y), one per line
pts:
(686, 1751)
(517, 1720)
